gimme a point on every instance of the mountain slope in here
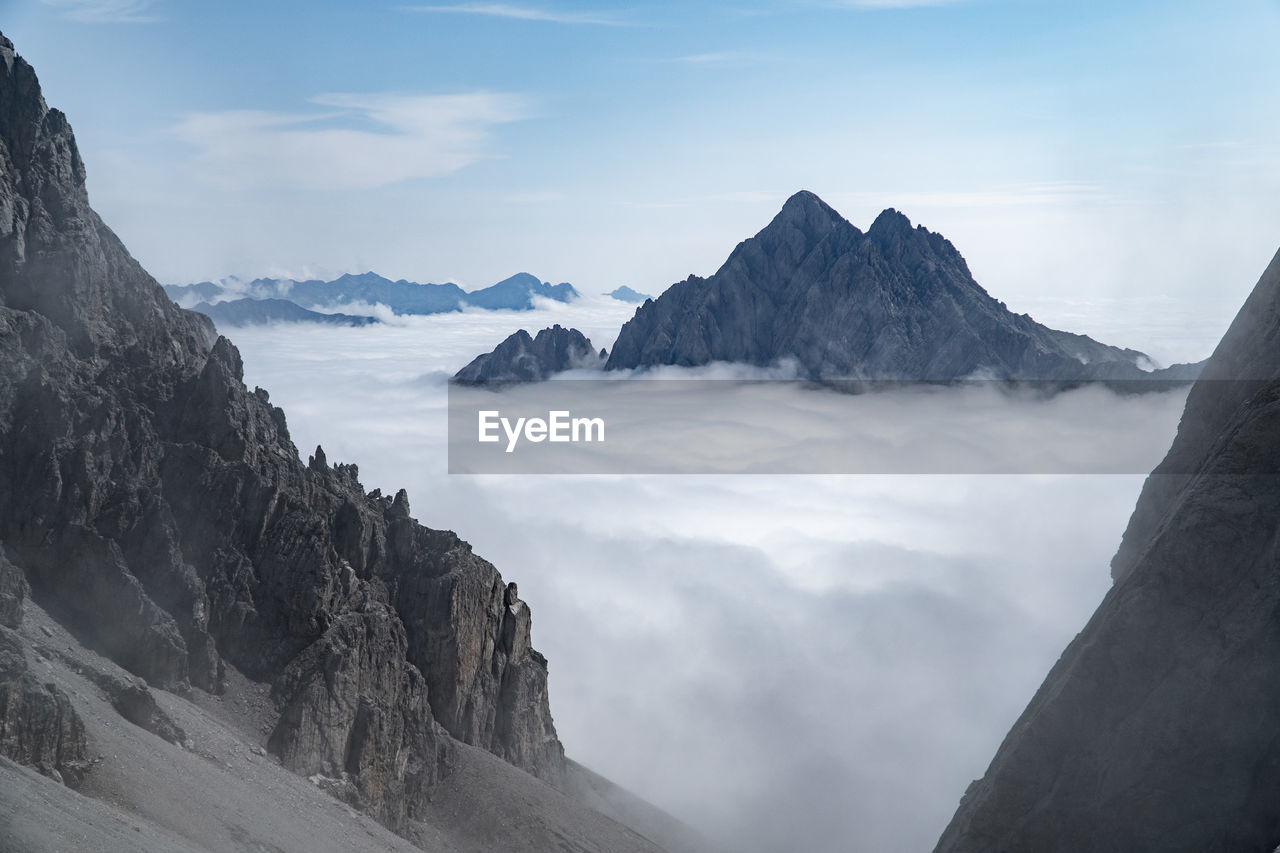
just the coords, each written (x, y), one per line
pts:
(893, 303)
(1156, 730)
(219, 790)
(159, 511)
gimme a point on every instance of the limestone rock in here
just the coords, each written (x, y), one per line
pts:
(13, 590)
(38, 726)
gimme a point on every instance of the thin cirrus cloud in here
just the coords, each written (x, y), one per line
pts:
(715, 58)
(1044, 193)
(522, 13)
(360, 142)
(104, 11)
(897, 4)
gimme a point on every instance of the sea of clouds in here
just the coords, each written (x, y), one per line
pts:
(785, 662)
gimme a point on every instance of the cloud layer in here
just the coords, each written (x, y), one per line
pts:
(813, 663)
(362, 141)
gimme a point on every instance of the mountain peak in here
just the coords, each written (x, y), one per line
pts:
(806, 207)
(895, 302)
(525, 358)
(889, 223)
(520, 279)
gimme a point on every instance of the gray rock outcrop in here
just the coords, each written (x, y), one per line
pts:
(160, 511)
(38, 726)
(521, 358)
(1156, 730)
(894, 303)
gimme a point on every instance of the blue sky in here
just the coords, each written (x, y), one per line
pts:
(1101, 150)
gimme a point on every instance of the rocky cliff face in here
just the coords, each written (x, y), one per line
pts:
(1156, 730)
(160, 511)
(38, 726)
(521, 358)
(894, 303)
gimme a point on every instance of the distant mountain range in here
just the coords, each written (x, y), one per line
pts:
(254, 312)
(626, 294)
(402, 297)
(895, 302)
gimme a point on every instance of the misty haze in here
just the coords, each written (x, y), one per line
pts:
(462, 427)
(914, 614)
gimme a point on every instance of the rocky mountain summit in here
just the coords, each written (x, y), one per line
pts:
(1156, 730)
(521, 358)
(896, 302)
(158, 525)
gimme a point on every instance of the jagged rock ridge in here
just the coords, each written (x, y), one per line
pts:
(1156, 730)
(521, 358)
(159, 509)
(894, 303)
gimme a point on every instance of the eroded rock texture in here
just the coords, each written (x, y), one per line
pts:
(38, 726)
(159, 509)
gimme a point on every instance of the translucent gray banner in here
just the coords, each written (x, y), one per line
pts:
(730, 426)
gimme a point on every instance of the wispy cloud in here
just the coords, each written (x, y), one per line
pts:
(543, 197)
(104, 11)
(897, 4)
(361, 142)
(739, 197)
(718, 58)
(524, 13)
(1012, 195)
